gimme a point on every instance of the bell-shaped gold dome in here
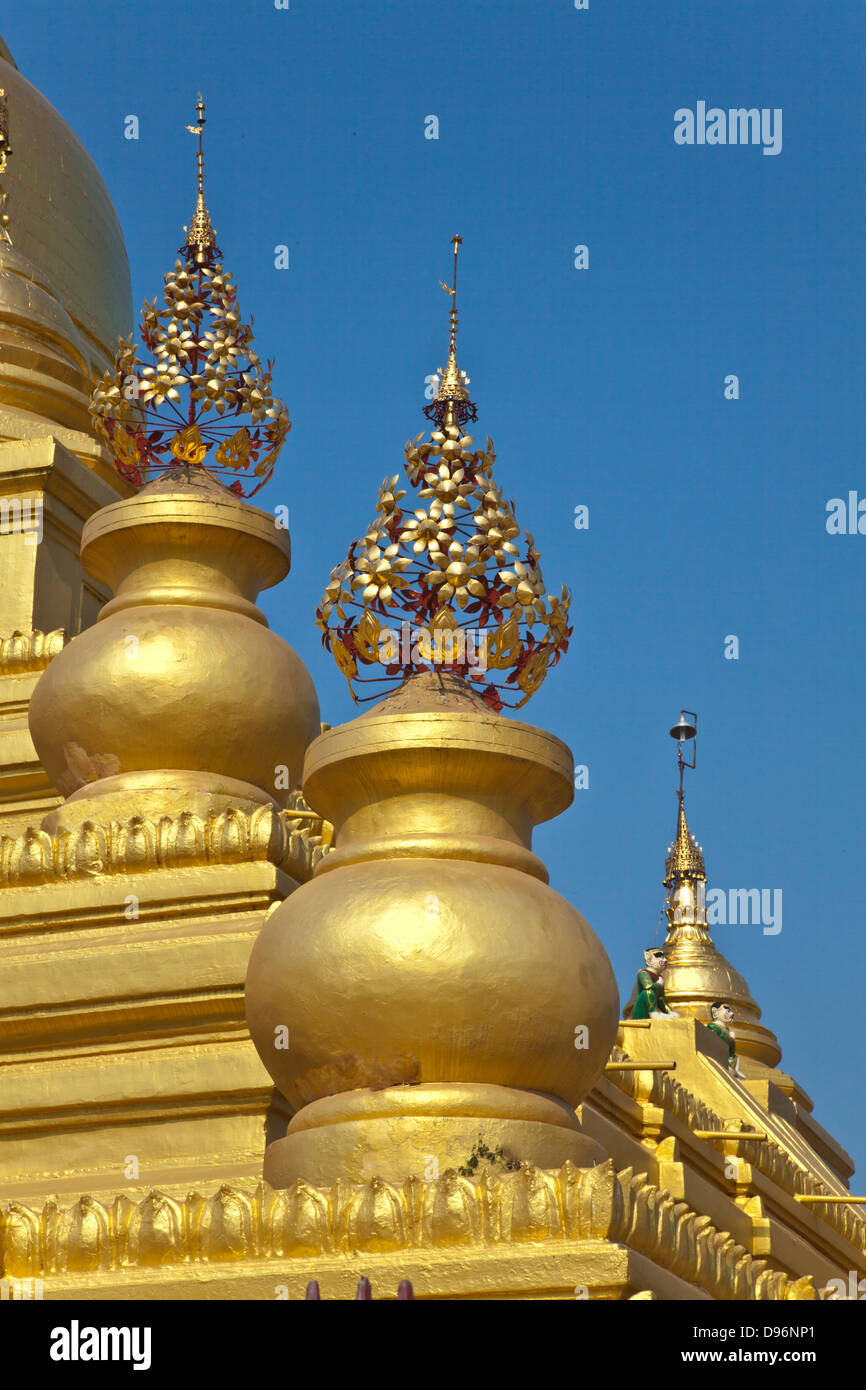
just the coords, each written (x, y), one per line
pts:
(62, 220)
(44, 368)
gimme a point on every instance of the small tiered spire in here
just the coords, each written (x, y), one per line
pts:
(200, 245)
(451, 404)
(697, 974)
(685, 858)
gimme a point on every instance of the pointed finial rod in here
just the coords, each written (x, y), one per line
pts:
(201, 237)
(451, 404)
(456, 242)
(197, 129)
(685, 858)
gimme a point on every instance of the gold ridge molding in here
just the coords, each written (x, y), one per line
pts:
(138, 845)
(532, 1205)
(29, 651)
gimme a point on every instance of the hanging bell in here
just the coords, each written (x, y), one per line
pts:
(683, 729)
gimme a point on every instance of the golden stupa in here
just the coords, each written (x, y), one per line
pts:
(286, 1002)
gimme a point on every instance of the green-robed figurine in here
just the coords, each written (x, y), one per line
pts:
(651, 1002)
(721, 1018)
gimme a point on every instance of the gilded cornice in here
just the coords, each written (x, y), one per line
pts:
(24, 652)
(659, 1088)
(139, 845)
(530, 1206)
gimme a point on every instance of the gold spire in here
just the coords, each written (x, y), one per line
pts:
(200, 244)
(697, 974)
(227, 420)
(448, 579)
(5, 151)
(451, 404)
(685, 859)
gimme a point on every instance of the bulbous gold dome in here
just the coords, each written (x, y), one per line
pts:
(431, 971)
(63, 220)
(180, 686)
(429, 947)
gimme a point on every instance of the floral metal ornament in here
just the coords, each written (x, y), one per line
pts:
(447, 581)
(204, 398)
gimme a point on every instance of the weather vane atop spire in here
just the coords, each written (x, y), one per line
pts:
(451, 404)
(200, 244)
(5, 151)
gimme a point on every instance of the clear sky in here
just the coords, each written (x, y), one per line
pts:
(603, 387)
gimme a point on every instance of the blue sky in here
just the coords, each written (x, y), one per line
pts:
(603, 387)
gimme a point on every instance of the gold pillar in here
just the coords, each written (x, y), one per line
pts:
(427, 988)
